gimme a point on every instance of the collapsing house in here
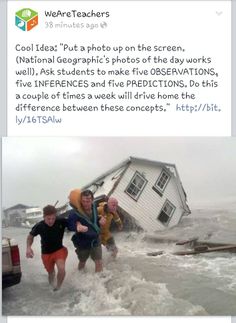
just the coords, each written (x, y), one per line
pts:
(150, 194)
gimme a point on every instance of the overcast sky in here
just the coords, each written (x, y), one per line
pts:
(39, 171)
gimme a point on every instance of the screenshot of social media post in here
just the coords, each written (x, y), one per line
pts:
(119, 68)
(147, 230)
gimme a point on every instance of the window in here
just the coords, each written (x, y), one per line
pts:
(161, 182)
(166, 212)
(136, 186)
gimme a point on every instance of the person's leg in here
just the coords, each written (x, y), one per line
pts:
(98, 266)
(49, 264)
(60, 263)
(51, 277)
(96, 255)
(114, 252)
(81, 265)
(60, 260)
(111, 247)
(82, 256)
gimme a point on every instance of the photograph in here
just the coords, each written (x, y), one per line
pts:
(118, 226)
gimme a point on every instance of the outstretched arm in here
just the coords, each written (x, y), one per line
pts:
(72, 222)
(29, 250)
(81, 228)
(75, 225)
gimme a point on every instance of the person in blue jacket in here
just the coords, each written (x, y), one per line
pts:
(83, 220)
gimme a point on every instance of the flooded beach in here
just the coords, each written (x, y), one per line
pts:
(136, 283)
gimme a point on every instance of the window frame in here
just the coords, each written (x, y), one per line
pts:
(140, 190)
(157, 188)
(171, 214)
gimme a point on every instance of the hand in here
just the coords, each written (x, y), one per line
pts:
(81, 228)
(102, 221)
(29, 253)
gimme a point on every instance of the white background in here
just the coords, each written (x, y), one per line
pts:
(201, 27)
(123, 319)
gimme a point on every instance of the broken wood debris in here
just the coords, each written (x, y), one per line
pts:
(197, 247)
(204, 249)
(192, 242)
(155, 253)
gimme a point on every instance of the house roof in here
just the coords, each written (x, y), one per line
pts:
(171, 168)
(18, 206)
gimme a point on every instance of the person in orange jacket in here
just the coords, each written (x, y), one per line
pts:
(108, 210)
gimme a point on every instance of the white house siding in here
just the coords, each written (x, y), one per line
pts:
(149, 204)
(109, 182)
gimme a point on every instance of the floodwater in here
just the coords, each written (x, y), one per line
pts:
(136, 284)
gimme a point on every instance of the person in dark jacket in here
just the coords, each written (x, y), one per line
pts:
(51, 230)
(84, 221)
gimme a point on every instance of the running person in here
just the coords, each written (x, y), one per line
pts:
(51, 230)
(109, 212)
(83, 220)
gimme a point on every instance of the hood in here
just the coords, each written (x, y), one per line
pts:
(74, 198)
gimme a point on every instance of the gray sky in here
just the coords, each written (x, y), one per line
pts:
(41, 170)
